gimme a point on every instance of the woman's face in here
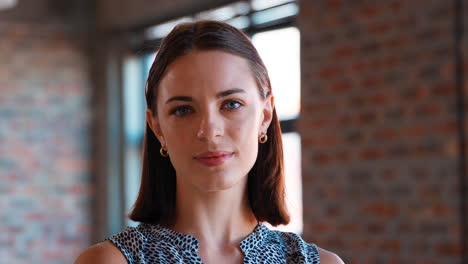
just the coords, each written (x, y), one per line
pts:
(209, 116)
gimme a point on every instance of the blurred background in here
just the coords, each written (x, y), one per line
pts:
(370, 94)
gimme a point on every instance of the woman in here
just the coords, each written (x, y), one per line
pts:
(212, 160)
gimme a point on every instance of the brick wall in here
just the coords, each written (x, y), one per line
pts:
(45, 188)
(379, 130)
(464, 51)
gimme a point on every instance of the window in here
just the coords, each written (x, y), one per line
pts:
(279, 50)
(270, 25)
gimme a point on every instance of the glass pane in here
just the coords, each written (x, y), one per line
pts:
(134, 124)
(239, 22)
(225, 12)
(279, 50)
(293, 175)
(262, 4)
(133, 98)
(161, 30)
(275, 13)
(5, 4)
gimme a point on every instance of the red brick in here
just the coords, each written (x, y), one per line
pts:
(392, 246)
(449, 249)
(440, 210)
(312, 108)
(381, 209)
(367, 118)
(350, 228)
(443, 89)
(385, 134)
(322, 141)
(448, 127)
(396, 6)
(447, 70)
(427, 261)
(317, 124)
(344, 52)
(390, 62)
(398, 42)
(334, 4)
(451, 147)
(430, 110)
(371, 154)
(341, 87)
(371, 83)
(359, 67)
(379, 99)
(389, 175)
(426, 149)
(330, 72)
(322, 159)
(331, 192)
(414, 131)
(323, 226)
(343, 156)
(367, 12)
(377, 29)
(417, 93)
(376, 228)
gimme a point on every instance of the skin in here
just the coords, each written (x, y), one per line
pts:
(208, 101)
(225, 113)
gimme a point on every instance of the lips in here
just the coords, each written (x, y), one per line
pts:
(214, 158)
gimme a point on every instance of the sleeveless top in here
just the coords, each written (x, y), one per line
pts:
(152, 243)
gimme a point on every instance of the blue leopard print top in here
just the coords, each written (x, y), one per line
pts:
(149, 243)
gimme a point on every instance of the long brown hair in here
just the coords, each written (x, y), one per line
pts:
(157, 196)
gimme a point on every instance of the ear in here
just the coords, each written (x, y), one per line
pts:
(153, 123)
(267, 114)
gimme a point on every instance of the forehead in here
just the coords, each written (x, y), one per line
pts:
(201, 71)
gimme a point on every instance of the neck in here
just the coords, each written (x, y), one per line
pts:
(220, 218)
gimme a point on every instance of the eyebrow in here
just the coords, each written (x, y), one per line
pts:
(218, 95)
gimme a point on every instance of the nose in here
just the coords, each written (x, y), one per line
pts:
(210, 127)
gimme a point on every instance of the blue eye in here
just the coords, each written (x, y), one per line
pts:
(182, 110)
(231, 105)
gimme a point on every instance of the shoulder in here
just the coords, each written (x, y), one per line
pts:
(296, 249)
(295, 243)
(102, 253)
(327, 257)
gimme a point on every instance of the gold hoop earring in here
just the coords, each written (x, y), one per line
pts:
(263, 138)
(164, 152)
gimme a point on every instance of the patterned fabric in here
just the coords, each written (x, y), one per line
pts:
(149, 243)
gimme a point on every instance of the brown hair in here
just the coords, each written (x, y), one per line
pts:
(156, 199)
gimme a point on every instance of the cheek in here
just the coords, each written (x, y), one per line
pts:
(249, 124)
(178, 144)
(247, 146)
(178, 135)
(244, 133)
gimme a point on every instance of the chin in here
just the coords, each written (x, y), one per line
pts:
(219, 182)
